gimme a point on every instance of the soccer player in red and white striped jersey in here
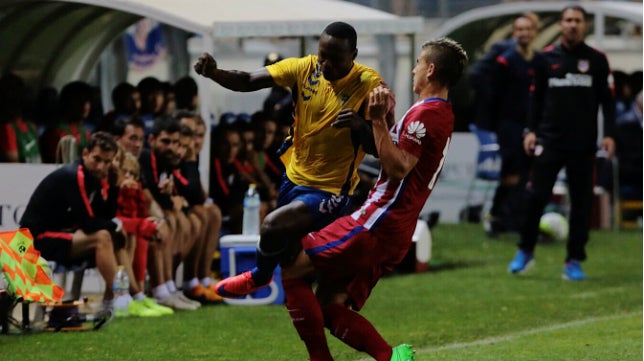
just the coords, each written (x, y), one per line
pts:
(349, 256)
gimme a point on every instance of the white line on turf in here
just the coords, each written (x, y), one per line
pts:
(512, 336)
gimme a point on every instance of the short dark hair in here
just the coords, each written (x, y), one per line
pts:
(448, 57)
(103, 140)
(118, 128)
(185, 89)
(121, 95)
(165, 123)
(73, 93)
(186, 131)
(199, 120)
(149, 85)
(343, 30)
(576, 8)
(183, 113)
(13, 92)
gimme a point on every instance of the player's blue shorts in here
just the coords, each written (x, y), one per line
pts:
(324, 206)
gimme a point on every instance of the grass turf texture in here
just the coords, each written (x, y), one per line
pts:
(467, 307)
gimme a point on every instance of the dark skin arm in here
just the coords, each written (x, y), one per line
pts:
(361, 128)
(347, 118)
(235, 80)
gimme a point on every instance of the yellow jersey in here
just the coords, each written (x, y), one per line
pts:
(322, 156)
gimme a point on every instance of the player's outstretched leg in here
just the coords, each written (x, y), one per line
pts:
(238, 286)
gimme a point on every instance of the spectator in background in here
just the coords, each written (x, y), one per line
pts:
(74, 106)
(132, 210)
(279, 102)
(197, 284)
(227, 184)
(96, 111)
(128, 132)
(513, 74)
(199, 134)
(132, 203)
(152, 101)
(211, 214)
(569, 87)
(635, 80)
(629, 150)
(46, 108)
(139, 230)
(18, 137)
(268, 159)
(249, 159)
(169, 99)
(157, 167)
(127, 102)
(623, 92)
(69, 214)
(186, 94)
(481, 81)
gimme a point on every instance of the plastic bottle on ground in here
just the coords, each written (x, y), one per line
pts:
(121, 293)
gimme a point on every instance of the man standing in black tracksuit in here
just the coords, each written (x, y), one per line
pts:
(513, 74)
(562, 132)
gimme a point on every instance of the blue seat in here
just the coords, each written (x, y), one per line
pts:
(488, 168)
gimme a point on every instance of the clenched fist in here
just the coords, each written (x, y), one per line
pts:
(379, 103)
(205, 65)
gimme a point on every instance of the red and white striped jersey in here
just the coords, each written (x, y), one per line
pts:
(393, 207)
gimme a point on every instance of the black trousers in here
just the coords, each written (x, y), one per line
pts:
(538, 191)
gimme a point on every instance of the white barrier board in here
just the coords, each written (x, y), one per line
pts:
(17, 183)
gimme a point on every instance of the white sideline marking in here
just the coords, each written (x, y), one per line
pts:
(515, 335)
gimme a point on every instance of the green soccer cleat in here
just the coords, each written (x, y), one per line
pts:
(151, 303)
(402, 352)
(137, 308)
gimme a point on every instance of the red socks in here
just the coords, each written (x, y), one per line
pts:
(305, 312)
(356, 331)
(140, 262)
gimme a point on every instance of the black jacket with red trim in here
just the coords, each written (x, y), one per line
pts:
(68, 199)
(569, 87)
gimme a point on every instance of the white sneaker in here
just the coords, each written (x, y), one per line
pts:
(185, 299)
(176, 303)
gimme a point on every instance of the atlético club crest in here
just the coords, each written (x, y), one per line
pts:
(583, 65)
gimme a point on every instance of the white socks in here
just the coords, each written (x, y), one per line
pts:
(172, 287)
(139, 296)
(206, 281)
(188, 285)
(161, 292)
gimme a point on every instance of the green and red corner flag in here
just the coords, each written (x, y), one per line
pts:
(27, 274)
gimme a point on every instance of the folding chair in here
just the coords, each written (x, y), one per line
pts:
(488, 170)
(66, 150)
(26, 278)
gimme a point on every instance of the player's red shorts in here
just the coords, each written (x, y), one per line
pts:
(353, 257)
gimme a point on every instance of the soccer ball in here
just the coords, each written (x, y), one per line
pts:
(554, 226)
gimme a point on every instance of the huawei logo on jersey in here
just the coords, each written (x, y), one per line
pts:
(416, 130)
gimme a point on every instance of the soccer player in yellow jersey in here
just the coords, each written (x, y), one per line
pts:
(329, 138)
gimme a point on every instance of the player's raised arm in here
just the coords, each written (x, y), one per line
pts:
(235, 80)
(394, 161)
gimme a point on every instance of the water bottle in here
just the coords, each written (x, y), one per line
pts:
(121, 292)
(250, 222)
